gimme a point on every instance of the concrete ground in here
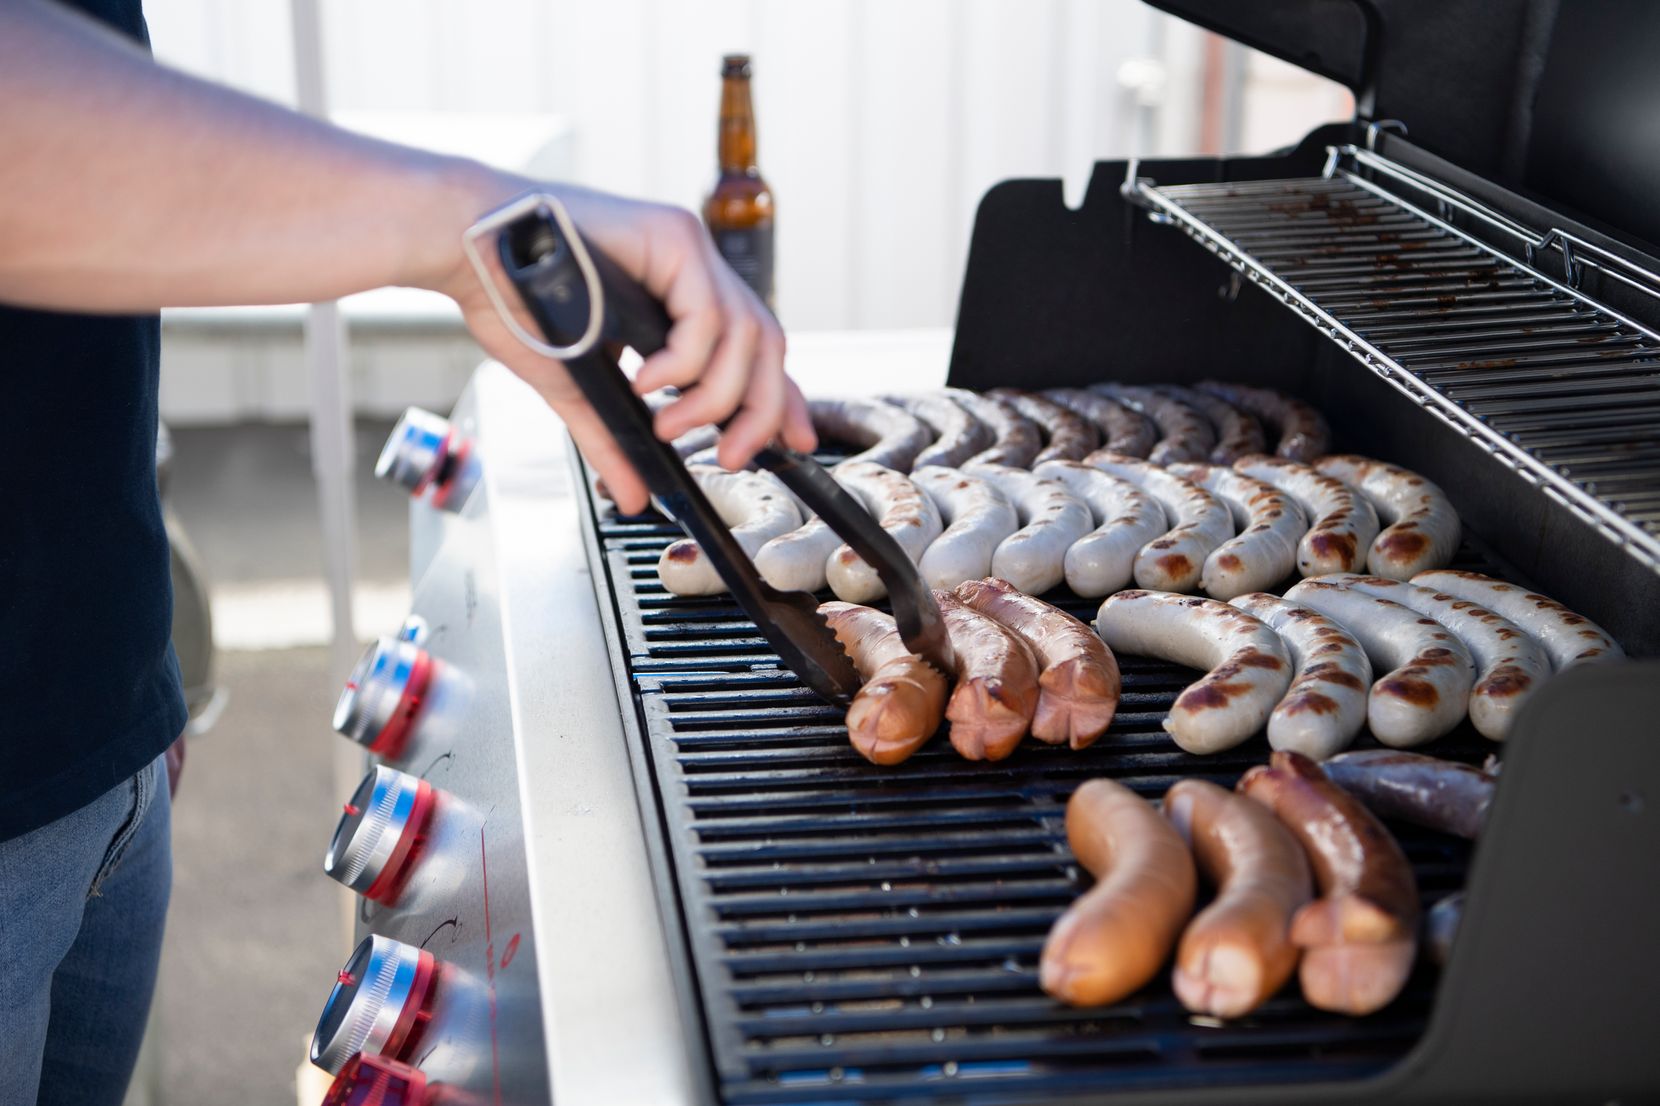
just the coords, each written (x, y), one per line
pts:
(256, 932)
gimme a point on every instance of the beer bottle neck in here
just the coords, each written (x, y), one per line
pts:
(737, 127)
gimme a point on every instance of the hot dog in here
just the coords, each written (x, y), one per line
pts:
(1199, 523)
(1237, 952)
(1069, 436)
(958, 435)
(1247, 668)
(1421, 529)
(1118, 934)
(1426, 791)
(1126, 518)
(1078, 681)
(1269, 522)
(1567, 638)
(1427, 672)
(1015, 438)
(1360, 936)
(996, 695)
(1033, 558)
(1302, 431)
(1325, 706)
(892, 437)
(1342, 522)
(1122, 430)
(977, 518)
(1510, 666)
(755, 506)
(902, 700)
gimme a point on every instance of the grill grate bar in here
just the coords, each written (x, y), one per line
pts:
(1515, 351)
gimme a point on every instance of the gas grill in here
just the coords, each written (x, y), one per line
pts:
(715, 899)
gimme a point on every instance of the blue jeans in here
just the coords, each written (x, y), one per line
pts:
(82, 903)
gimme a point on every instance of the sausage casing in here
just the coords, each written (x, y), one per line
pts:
(996, 694)
(1237, 952)
(977, 518)
(1069, 436)
(1410, 787)
(1122, 429)
(1302, 432)
(902, 700)
(1421, 529)
(1186, 434)
(1127, 518)
(1033, 558)
(754, 505)
(1078, 681)
(1427, 672)
(1200, 522)
(891, 436)
(1269, 522)
(1510, 666)
(1117, 935)
(902, 509)
(1342, 522)
(1246, 666)
(1015, 438)
(958, 435)
(1325, 706)
(1359, 937)
(1567, 638)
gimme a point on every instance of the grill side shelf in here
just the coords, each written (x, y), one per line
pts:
(1558, 388)
(862, 933)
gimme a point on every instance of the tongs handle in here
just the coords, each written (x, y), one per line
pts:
(586, 305)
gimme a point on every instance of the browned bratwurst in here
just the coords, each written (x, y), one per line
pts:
(903, 697)
(1237, 953)
(1079, 684)
(1118, 934)
(1359, 938)
(996, 695)
(1069, 436)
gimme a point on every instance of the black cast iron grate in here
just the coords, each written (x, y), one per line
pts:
(858, 932)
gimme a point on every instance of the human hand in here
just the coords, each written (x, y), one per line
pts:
(725, 351)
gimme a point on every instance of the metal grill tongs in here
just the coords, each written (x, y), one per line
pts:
(589, 310)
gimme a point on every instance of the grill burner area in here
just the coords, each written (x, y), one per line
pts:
(857, 932)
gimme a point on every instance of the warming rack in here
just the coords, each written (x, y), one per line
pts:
(1561, 389)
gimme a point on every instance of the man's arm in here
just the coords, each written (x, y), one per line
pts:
(126, 186)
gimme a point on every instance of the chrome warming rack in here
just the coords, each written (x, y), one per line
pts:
(1559, 388)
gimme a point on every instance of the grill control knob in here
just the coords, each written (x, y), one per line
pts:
(385, 692)
(381, 1003)
(381, 834)
(423, 452)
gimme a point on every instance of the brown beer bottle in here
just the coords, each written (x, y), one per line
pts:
(739, 211)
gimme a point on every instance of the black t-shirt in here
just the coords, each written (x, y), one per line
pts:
(89, 686)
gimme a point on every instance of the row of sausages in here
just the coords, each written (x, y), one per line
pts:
(1213, 421)
(1096, 525)
(1408, 661)
(1023, 666)
(1306, 879)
